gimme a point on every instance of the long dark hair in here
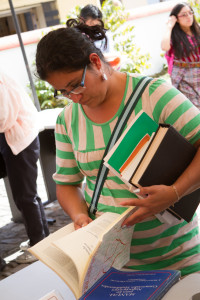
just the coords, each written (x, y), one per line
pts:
(180, 42)
(68, 49)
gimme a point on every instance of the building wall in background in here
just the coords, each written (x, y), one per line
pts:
(129, 4)
(30, 17)
(35, 14)
(149, 28)
(64, 6)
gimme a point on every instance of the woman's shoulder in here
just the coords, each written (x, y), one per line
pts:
(151, 81)
(65, 113)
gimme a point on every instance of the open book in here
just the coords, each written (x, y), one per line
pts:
(141, 285)
(81, 257)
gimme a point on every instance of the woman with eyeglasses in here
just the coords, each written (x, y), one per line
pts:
(68, 59)
(182, 45)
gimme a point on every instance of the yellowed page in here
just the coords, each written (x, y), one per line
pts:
(84, 242)
(56, 259)
(69, 252)
(114, 251)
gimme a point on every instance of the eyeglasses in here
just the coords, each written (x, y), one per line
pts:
(184, 15)
(76, 90)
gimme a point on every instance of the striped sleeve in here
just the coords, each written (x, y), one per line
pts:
(67, 171)
(172, 107)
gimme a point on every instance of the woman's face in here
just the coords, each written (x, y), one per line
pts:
(185, 17)
(92, 22)
(92, 94)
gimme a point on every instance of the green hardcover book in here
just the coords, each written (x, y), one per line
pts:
(139, 127)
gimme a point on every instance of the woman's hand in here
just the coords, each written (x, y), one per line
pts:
(166, 40)
(156, 199)
(81, 220)
(171, 21)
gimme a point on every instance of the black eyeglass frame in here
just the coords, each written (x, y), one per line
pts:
(73, 90)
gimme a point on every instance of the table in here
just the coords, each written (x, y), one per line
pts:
(37, 280)
(32, 283)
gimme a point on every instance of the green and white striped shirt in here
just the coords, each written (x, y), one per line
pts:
(80, 144)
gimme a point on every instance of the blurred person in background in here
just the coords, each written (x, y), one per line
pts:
(91, 15)
(20, 149)
(181, 42)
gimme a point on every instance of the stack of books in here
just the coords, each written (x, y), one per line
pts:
(150, 154)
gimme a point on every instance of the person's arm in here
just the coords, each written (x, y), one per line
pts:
(165, 43)
(9, 107)
(73, 203)
(160, 197)
(68, 176)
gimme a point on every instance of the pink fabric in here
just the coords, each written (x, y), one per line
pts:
(18, 115)
(169, 55)
(193, 57)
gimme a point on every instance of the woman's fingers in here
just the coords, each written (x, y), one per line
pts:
(155, 199)
(81, 220)
(138, 216)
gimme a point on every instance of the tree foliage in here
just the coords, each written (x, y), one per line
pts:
(115, 19)
(195, 4)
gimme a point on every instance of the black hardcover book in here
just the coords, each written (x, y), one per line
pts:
(167, 156)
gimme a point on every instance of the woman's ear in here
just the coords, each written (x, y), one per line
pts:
(95, 60)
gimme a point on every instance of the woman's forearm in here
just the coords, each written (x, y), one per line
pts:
(165, 43)
(71, 200)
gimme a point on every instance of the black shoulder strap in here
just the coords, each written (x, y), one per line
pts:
(119, 127)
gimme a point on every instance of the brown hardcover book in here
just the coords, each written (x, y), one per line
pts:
(165, 159)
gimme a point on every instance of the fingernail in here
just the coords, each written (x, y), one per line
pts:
(136, 191)
(124, 226)
(83, 225)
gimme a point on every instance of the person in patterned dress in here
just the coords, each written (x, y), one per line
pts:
(78, 70)
(181, 42)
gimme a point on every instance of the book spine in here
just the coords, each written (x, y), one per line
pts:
(167, 285)
(144, 156)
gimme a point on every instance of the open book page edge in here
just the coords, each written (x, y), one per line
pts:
(38, 251)
(79, 263)
(128, 211)
(119, 219)
(81, 236)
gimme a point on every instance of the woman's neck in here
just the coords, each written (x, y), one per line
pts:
(109, 107)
